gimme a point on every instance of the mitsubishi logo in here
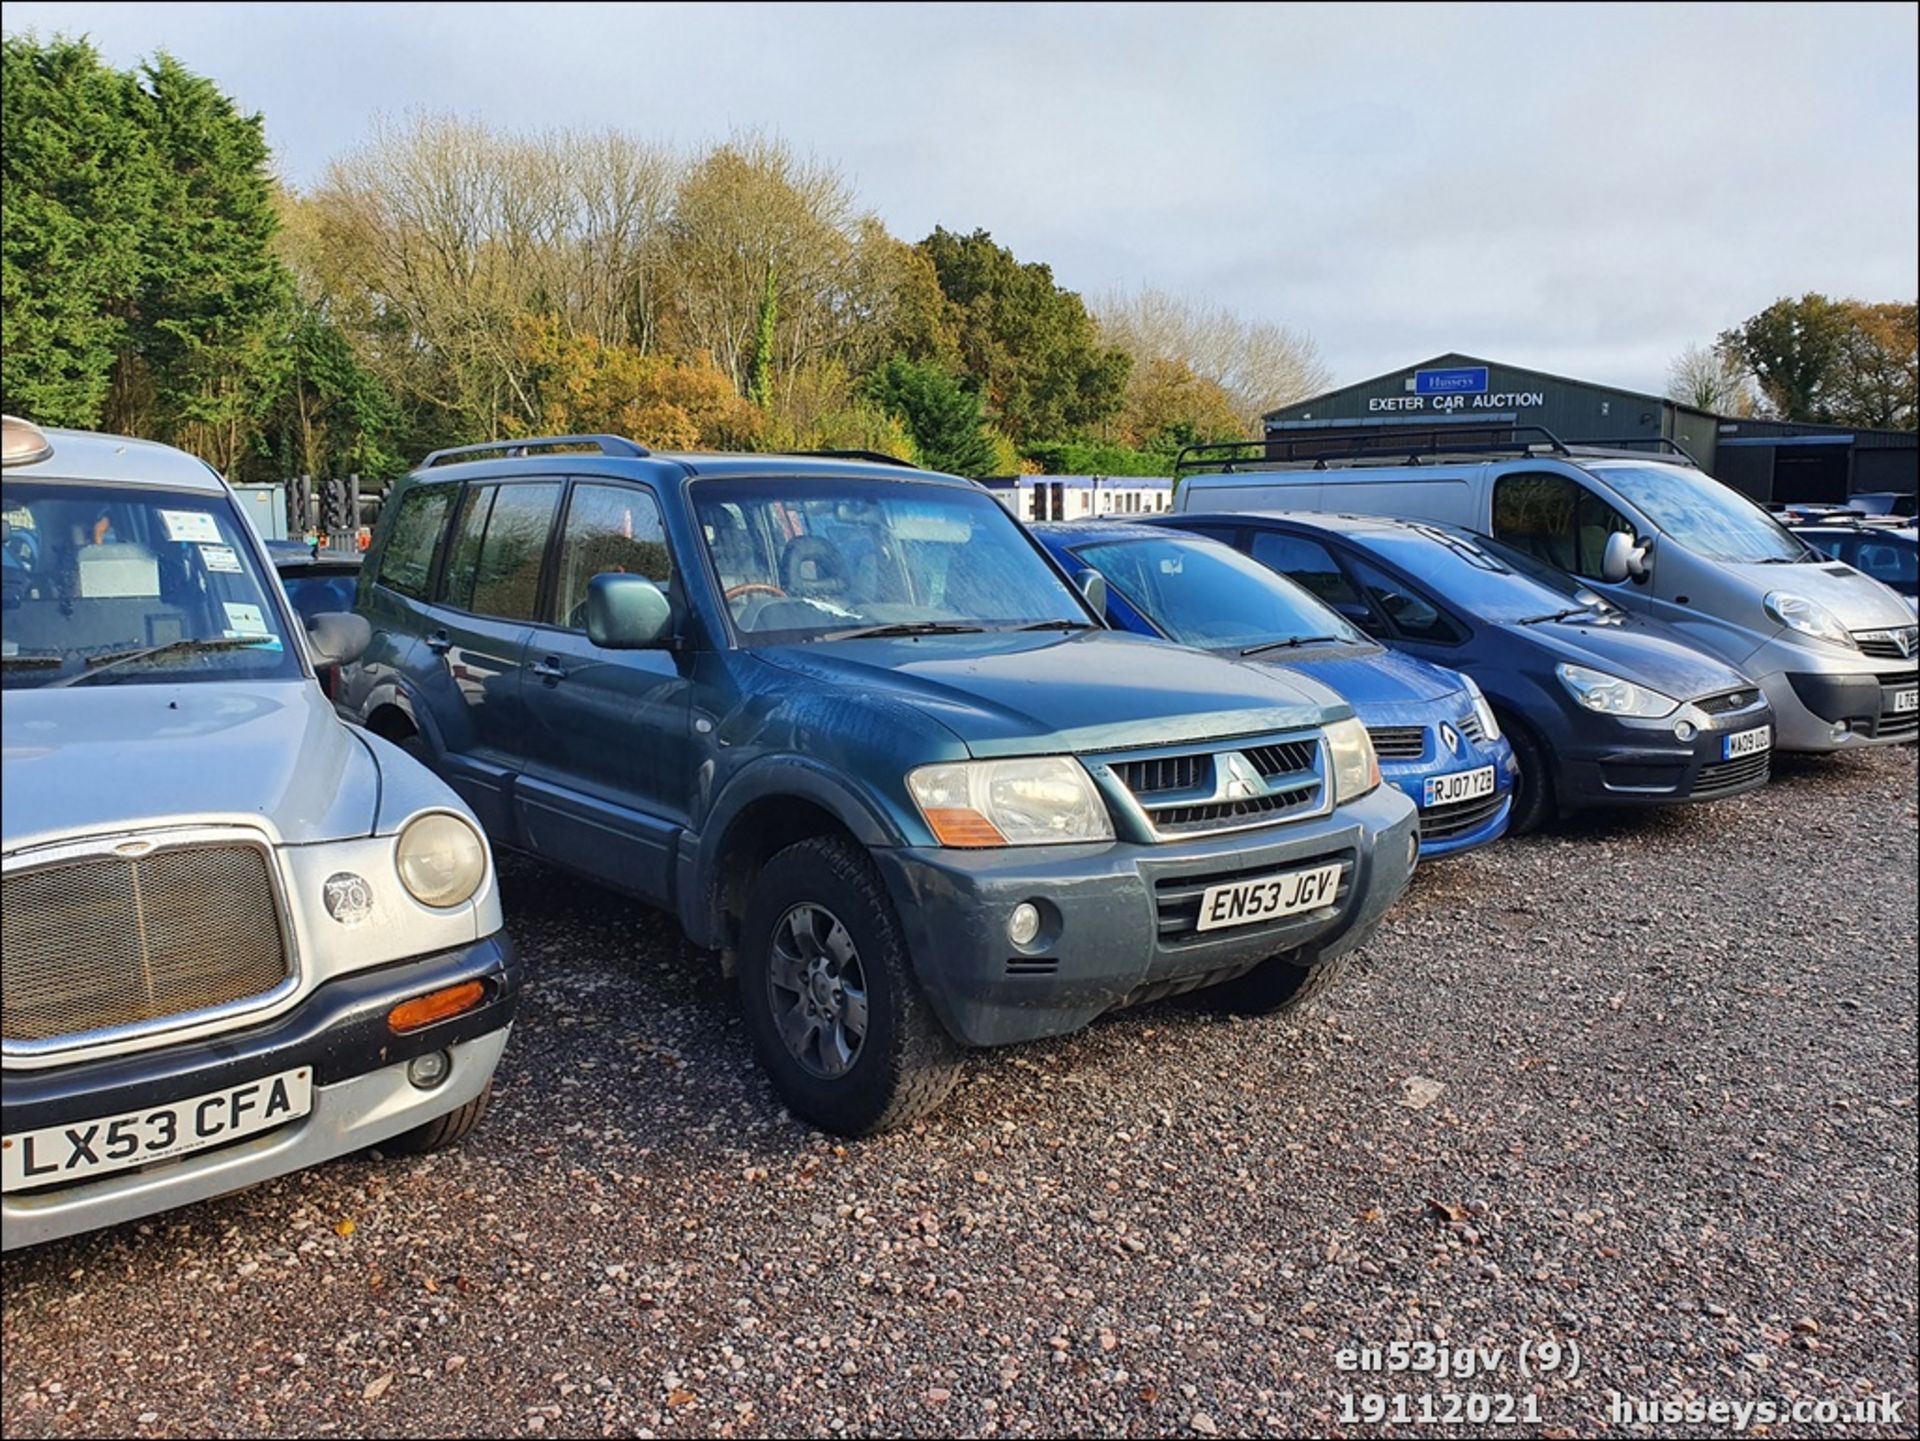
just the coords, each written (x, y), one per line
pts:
(1451, 737)
(1240, 781)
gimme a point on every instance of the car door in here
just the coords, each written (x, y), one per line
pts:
(609, 775)
(486, 602)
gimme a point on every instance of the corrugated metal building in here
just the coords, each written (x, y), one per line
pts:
(1769, 460)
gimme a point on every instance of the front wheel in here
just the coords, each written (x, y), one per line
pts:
(829, 998)
(441, 1131)
(1278, 984)
(1533, 803)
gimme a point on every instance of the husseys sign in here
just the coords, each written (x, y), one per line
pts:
(1459, 388)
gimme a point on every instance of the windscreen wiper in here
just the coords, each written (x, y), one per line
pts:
(1560, 615)
(100, 664)
(905, 627)
(1053, 625)
(1294, 643)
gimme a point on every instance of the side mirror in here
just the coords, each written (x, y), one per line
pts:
(1093, 586)
(626, 612)
(1625, 556)
(338, 638)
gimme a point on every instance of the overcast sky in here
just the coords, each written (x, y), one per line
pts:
(1583, 190)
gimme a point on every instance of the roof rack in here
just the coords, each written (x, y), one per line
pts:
(1311, 451)
(516, 448)
(877, 456)
(1628, 445)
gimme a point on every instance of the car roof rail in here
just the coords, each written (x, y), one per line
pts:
(526, 445)
(1629, 445)
(878, 457)
(1307, 450)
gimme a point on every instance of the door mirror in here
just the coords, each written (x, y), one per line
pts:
(1093, 586)
(338, 638)
(1625, 556)
(626, 612)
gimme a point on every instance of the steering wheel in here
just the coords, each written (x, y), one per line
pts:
(755, 587)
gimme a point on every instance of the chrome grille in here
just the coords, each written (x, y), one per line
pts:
(105, 941)
(1732, 700)
(1398, 743)
(1891, 643)
(1234, 786)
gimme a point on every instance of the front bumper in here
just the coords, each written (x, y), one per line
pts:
(1119, 917)
(1621, 761)
(1830, 712)
(361, 1093)
(1449, 829)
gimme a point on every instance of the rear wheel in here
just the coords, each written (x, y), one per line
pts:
(1533, 803)
(441, 1131)
(829, 998)
(1279, 984)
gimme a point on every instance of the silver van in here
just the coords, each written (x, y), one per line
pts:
(240, 936)
(1833, 649)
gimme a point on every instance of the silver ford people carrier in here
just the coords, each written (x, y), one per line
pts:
(241, 936)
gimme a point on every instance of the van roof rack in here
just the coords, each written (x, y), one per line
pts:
(526, 445)
(1315, 451)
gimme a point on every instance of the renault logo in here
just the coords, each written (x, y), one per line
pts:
(1240, 781)
(1451, 737)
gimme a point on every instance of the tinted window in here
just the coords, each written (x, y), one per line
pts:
(1888, 560)
(1412, 614)
(610, 529)
(1201, 593)
(1313, 566)
(463, 552)
(319, 593)
(1556, 520)
(506, 582)
(406, 561)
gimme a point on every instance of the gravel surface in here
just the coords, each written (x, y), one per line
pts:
(1643, 1085)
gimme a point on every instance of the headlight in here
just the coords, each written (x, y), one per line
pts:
(1042, 800)
(1482, 712)
(1608, 694)
(441, 860)
(1808, 617)
(1356, 769)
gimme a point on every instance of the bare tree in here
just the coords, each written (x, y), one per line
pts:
(1259, 364)
(1709, 378)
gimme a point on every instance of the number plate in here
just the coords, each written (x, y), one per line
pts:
(1460, 786)
(1242, 903)
(1747, 743)
(54, 1155)
(1905, 700)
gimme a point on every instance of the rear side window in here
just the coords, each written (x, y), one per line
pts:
(1412, 614)
(406, 561)
(1310, 564)
(506, 577)
(610, 529)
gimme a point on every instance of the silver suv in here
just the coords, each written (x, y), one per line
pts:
(241, 936)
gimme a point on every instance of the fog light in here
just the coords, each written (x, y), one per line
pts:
(1841, 730)
(1684, 730)
(1024, 924)
(430, 1070)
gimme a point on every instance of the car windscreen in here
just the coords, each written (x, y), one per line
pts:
(1481, 576)
(114, 585)
(1700, 513)
(827, 557)
(1202, 593)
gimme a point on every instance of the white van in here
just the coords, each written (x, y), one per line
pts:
(1833, 649)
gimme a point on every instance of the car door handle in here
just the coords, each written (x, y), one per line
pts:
(439, 642)
(550, 670)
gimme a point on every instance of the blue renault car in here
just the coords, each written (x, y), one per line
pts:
(1603, 708)
(1435, 735)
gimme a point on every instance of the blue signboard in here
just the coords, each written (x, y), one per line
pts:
(1467, 380)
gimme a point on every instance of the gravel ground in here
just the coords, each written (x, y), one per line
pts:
(1647, 1086)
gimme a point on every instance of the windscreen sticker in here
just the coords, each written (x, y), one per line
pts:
(195, 525)
(245, 619)
(220, 557)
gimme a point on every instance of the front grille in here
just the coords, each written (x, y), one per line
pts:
(1892, 643)
(1398, 743)
(1177, 899)
(107, 942)
(1470, 728)
(1727, 775)
(1444, 823)
(1234, 787)
(1732, 700)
